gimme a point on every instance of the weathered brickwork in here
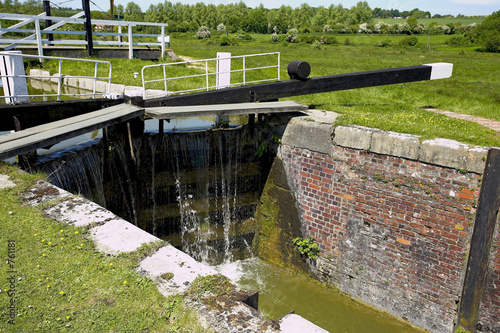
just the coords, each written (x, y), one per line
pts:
(489, 310)
(393, 232)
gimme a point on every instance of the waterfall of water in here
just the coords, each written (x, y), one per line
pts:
(206, 171)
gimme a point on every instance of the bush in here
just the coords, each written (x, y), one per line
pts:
(488, 33)
(409, 41)
(329, 40)
(228, 41)
(384, 43)
(458, 41)
(203, 32)
(292, 35)
(307, 39)
(316, 45)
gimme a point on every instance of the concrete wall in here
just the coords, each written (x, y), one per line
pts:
(393, 217)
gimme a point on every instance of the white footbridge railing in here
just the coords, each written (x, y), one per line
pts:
(208, 74)
(36, 34)
(14, 79)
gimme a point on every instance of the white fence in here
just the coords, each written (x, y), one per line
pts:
(207, 73)
(15, 82)
(36, 34)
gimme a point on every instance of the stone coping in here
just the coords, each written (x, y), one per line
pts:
(314, 133)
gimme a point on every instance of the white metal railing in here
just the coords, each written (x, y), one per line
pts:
(207, 72)
(36, 34)
(59, 77)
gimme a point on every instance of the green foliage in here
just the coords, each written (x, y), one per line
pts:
(203, 32)
(306, 246)
(228, 41)
(409, 41)
(489, 33)
(262, 149)
(217, 285)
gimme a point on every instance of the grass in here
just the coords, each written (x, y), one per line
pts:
(61, 283)
(473, 89)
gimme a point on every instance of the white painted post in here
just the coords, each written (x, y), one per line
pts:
(162, 41)
(13, 84)
(39, 38)
(223, 79)
(130, 46)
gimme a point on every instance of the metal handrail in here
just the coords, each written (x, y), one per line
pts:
(60, 77)
(207, 73)
(36, 37)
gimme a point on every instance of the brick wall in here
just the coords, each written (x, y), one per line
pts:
(393, 232)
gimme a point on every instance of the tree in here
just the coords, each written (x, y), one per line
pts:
(133, 13)
(361, 13)
(488, 33)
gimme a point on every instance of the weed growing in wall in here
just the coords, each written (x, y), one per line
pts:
(306, 246)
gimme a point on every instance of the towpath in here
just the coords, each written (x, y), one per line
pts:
(490, 123)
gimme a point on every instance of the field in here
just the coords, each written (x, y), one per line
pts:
(473, 89)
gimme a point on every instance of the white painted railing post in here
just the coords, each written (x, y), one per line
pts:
(162, 41)
(13, 79)
(130, 46)
(223, 80)
(39, 38)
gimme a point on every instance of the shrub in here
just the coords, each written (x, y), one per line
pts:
(409, 41)
(458, 41)
(221, 27)
(228, 41)
(316, 45)
(488, 33)
(292, 35)
(307, 39)
(203, 32)
(329, 40)
(274, 37)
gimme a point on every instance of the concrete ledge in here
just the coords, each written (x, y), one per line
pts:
(118, 236)
(396, 144)
(442, 152)
(293, 323)
(309, 135)
(79, 212)
(170, 260)
(356, 137)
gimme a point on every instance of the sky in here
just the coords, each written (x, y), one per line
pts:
(454, 7)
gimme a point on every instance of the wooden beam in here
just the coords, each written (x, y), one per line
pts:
(476, 275)
(45, 135)
(290, 88)
(171, 112)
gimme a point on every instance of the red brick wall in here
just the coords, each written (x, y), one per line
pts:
(392, 232)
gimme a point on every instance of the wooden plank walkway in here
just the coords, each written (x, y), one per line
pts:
(30, 139)
(171, 112)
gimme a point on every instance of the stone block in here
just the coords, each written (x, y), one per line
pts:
(101, 87)
(118, 236)
(71, 81)
(356, 137)
(476, 159)
(396, 144)
(116, 88)
(309, 135)
(87, 84)
(445, 152)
